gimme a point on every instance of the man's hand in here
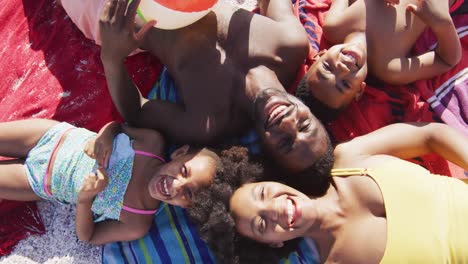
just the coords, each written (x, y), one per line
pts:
(392, 2)
(93, 184)
(117, 29)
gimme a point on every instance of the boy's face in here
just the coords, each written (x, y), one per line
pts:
(337, 76)
(177, 181)
(290, 133)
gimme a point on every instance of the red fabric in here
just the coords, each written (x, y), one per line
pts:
(49, 70)
(448, 92)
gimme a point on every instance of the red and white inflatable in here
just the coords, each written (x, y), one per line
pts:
(173, 14)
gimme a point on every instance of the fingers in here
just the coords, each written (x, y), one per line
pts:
(106, 160)
(146, 27)
(131, 12)
(89, 148)
(121, 7)
(412, 7)
(113, 11)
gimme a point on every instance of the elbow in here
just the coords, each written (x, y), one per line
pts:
(137, 233)
(85, 239)
(454, 60)
(392, 78)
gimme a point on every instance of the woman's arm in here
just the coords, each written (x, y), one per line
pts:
(408, 140)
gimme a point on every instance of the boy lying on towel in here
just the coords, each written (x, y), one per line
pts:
(377, 36)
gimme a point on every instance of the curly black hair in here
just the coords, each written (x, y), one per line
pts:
(314, 180)
(210, 211)
(322, 111)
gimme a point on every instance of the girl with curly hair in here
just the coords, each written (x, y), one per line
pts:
(117, 178)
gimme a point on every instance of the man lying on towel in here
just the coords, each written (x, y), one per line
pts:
(230, 67)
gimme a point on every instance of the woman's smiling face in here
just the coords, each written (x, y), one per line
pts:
(269, 212)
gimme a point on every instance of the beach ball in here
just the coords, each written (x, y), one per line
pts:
(173, 14)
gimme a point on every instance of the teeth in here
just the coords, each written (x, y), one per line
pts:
(352, 57)
(277, 111)
(290, 211)
(166, 190)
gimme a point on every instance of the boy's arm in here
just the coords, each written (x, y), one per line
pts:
(408, 140)
(432, 63)
(336, 25)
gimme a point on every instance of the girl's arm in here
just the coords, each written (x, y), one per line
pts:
(100, 148)
(408, 140)
(105, 231)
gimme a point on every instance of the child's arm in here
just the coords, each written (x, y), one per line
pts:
(405, 140)
(336, 25)
(100, 147)
(105, 231)
(92, 185)
(435, 14)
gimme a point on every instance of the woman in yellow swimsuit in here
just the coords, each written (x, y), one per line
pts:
(387, 210)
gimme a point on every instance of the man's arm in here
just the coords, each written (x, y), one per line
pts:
(408, 140)
(133, 107)
(278, 10)
(119, 40)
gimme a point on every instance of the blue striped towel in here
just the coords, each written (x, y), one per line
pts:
(172, 238)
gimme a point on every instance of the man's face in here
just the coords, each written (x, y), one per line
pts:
(338, 74)
(290, 133)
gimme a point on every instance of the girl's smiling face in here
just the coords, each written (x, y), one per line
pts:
(177, 181)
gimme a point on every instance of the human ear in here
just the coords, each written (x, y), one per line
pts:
(319, 54)
(180, 152)
(360, 92)
(276, 244)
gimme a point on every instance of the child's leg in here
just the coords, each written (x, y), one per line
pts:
(17, 138)
(14, 184)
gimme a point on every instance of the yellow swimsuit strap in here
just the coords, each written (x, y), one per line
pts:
(348, 172)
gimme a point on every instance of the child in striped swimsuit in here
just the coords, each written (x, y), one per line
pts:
(117, 178)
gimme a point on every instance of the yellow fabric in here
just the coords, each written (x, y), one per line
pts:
(427, 215)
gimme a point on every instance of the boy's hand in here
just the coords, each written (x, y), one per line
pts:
(117, 29)
(93, 184)
(432, 12)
